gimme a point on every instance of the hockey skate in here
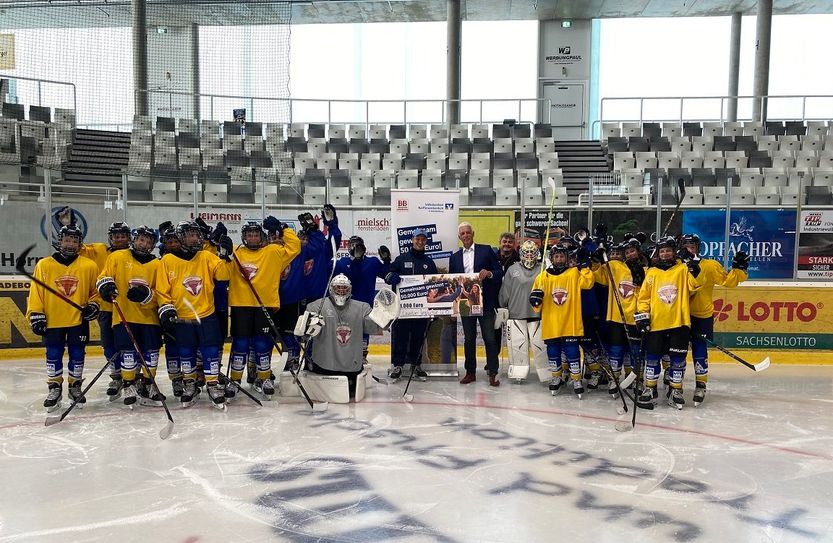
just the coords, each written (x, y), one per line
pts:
(594, 380)
(578, 388)
(190, 392)
(420, 374)
(231, 389)
(265, 387)
(129, 394)
(613, 390)
(395, 373)
(555, 385)
(74, 390)
(647, 399)
(699, 393)
(675, 398)
(114, 388)
(177, 386)
(217, 395)
(149, 394)
(53, 397)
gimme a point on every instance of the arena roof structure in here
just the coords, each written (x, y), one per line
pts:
(75, 13)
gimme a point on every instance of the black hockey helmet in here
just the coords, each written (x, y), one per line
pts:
(692, 239)
(252, 226)
(119, 228)
(69, 230)
(143, 231)
(183, 228)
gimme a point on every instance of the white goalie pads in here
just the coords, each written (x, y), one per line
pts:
(332, 388)
(501, 316)
(385, 308)
(523, 339)
(309, 324)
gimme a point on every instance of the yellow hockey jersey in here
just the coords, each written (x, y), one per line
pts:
(76, 282)
(263, 267)
(178, 280)
(126, 271)
(98, 253)
(628, 292)
(561, 310)
(711, 274)
(665, 295)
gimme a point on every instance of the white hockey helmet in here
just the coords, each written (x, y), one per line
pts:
(529, 254)
(340, 290)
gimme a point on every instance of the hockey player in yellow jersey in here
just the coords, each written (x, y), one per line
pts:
(663, 316)
(185, 284)
(60, 325)
(263, 265)
(129, 278)
(556, 294)
(702, 307)
(628, 274)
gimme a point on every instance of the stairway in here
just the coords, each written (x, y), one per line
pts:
(578, 160)
(97, 157)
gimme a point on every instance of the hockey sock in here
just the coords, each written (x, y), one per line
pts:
(75, 365)
(700, 354)
(239, 356)
(677, 369)
(128, 365)
(210, 362)
(187, 359)
(652, 368)
(152, 361)
(614, 356)
(263, 352)
(54, 364)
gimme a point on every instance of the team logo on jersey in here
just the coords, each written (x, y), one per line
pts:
(626, 289)
(343, 333)
(67, 284)
(250, 270)
(667, 293)
(308, 265)
(192, 284)
(559, 296)
(285, 273)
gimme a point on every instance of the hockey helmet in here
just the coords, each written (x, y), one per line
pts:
(69, 231)
(137, 233)
(617, 251)
(529, 254)
(252, 226)
(690, 239)
(340, 290)
(189, 243)
(122, 230)
(356, 247)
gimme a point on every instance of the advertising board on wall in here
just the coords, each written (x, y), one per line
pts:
(815, 245)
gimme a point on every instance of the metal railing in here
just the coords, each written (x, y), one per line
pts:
(40, 85)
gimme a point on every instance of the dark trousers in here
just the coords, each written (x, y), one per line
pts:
(487, 332)
(407, 340)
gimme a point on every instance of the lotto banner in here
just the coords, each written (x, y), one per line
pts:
(434, 211)
(780, 318)
(815, 245)
(767, 236)
(451, 294)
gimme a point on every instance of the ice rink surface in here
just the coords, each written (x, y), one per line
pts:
(460, 463)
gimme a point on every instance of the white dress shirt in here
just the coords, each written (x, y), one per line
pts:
(468, 259)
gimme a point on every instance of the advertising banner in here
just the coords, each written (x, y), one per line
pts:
(781, 318)
(451, 294)
(434, 211)
(533, 226)
(815, 245)
(767, 236)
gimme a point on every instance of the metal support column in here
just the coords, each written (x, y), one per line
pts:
(454, 39)
(734, 67)
(763, 33)
(140, 57)
(195, 68)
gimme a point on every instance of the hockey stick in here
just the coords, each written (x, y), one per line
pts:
(165, 432)
(265, 311)
(760, 366)
(626, 382)
(54, 419)
(226, 381)
(625, 426)
(410, 397)
(551, 183)
(612, 375)
(680, 196)
(22, 270)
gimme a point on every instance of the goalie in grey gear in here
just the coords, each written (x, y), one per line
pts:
(337, 346)
(523, 325)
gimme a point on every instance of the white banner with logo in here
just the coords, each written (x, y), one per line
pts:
(450, 294)
(435, 211)
(815, 245)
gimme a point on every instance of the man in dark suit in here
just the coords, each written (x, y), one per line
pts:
(479, 259)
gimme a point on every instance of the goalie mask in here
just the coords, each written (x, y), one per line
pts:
(529, 254)
(340, 290)
(247, 240)
(143, 247)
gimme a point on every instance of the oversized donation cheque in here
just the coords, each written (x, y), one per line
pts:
(454, 294)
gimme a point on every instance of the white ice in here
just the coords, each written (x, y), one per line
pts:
(460, 463)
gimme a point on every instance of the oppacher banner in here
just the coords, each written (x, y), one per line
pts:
(434, 211)
(767, 236)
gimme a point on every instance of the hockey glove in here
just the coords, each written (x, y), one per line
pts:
(643, 322)
(685, 255)
(599, 255)
(583, 258)
(384, 254)
(226, 247)
(139, 293)
(309, 325)
(167, 317)
(501, 316)
(330, 217)
(204, 228)
(393, 279)
(637, 273)
(600, 231)
(271, 224)
(219, 231)
(307, 223)
(38, 323)
(536, 298)
(90, 312)
(106, 287)
(740, 261)
(694, 266)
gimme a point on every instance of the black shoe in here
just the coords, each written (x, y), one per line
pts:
(420, 374)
